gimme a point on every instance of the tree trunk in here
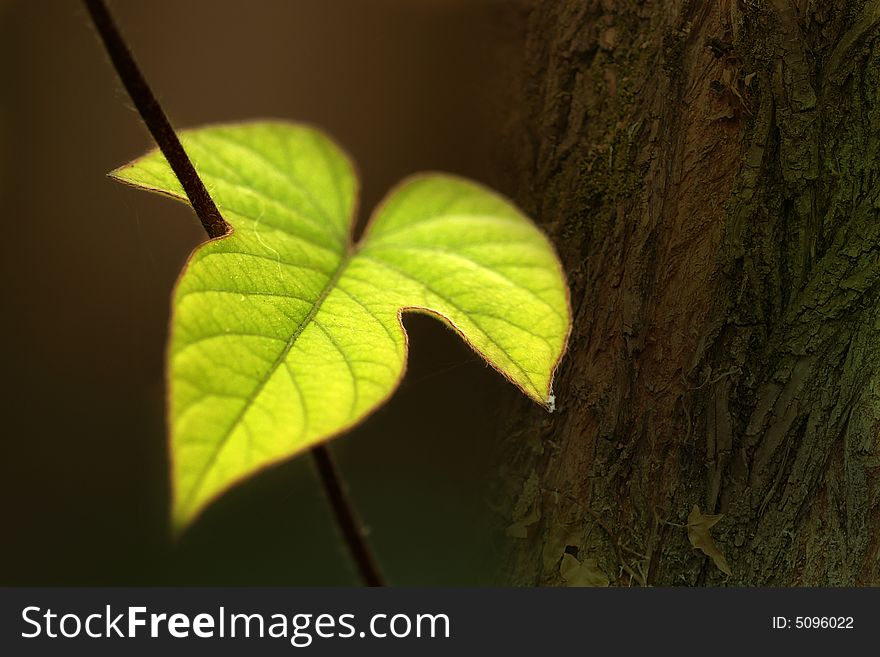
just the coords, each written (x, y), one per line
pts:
(709, 171)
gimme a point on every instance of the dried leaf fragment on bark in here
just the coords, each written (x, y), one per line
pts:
(698, 527)
(519, 528)
(582, 574)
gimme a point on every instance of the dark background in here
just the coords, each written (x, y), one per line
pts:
(88, 266)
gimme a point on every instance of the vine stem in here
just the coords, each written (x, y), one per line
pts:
(160, 128)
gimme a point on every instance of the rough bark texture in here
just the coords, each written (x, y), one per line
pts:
(710, 173)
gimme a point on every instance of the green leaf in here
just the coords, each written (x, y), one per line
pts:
(285, 333)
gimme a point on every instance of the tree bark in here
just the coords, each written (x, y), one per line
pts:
(709, 172)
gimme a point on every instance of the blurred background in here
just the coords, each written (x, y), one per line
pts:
(88, 266)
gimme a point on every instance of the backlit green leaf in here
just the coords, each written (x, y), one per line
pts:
(285, 333)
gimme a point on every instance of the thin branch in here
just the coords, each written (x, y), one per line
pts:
(351, 528)
(160, 128)
(151, 112)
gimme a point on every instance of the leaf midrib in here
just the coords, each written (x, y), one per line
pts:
(279, 360)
